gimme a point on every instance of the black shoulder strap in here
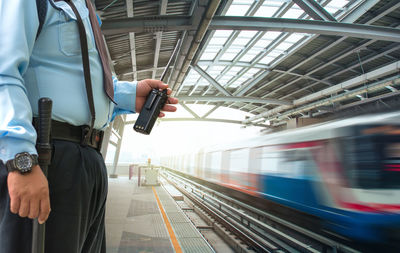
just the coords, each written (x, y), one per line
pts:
(42, 11)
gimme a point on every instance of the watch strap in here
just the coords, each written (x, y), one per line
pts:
(11, 166)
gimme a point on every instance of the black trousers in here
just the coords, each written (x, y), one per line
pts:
(78, 191)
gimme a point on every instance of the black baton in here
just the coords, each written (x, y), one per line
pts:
(44, 150)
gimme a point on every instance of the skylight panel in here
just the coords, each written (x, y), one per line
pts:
(242, 79)
(191, 78)
(247, 34)
(218, 68)
(270, 57)
(294, 12)
(247, 75)
(203, 83)
(335, 5)
(267, 59)
(274, 2)
(271, 35)
(238, 82)
(239, 8)
(224, 80)
(284, 45)
(208, 56)
(218, 40)
(262, 43)
(241, 41)
(249, 56)
(223, 33)
(253, 71)
(230, 54)
(266, 11)
(214, 73)
(275, 53)
(295, 37)
(232, 72)
(236, 69)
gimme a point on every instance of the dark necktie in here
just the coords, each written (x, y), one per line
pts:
(101, 48)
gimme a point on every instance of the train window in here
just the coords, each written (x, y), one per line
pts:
(296, 163)
(372, 161)
(213, 165)
(239, 160)
(268, 160)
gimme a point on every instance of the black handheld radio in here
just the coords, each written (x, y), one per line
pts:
(154, 102)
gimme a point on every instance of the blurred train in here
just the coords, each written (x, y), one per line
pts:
(345, 173)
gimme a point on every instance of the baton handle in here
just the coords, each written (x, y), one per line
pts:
(44, 128)
(45, 106)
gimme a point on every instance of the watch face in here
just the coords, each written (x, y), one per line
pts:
(23, 162)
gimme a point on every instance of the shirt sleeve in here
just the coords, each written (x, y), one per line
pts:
(125, 97)
(18, 26)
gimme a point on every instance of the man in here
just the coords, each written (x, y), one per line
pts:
(51, 66)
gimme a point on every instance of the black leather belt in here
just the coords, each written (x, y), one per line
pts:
(77, 134)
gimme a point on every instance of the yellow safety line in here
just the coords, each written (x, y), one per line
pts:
(175, 242)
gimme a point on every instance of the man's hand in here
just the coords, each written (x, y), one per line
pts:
(29, 194)
(143, 89)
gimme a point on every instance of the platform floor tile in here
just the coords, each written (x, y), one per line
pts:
(134, 222)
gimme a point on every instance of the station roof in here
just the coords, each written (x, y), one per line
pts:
(275, 59)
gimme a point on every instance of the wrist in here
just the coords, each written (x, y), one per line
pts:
(22, 163)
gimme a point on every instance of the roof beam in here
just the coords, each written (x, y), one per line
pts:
(158, 35)
(212, 110)
(372, 75)
(371, 17)
(358, 11)
(189, 110)
(250, 84)
(129, 11)
(314, 10)
(305, 26)
(211, 80)
(201, 29)
(235, 99)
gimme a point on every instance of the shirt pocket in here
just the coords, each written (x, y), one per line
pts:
(68, 34)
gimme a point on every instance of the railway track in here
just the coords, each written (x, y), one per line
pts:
(253, 230)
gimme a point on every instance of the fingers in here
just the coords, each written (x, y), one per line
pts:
(24, 208)
(169, 108)
(172, 100)
(33, 209)
(14, 204)
(44, 211)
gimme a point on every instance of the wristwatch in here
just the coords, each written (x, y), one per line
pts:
(23, 162)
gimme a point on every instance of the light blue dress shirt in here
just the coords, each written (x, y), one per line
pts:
(50, 66)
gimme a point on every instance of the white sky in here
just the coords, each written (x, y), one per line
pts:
(180, 137)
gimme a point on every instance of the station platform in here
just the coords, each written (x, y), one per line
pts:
(147, 219)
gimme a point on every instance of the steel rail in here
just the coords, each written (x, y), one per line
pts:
(250, 239)
(281, 237)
